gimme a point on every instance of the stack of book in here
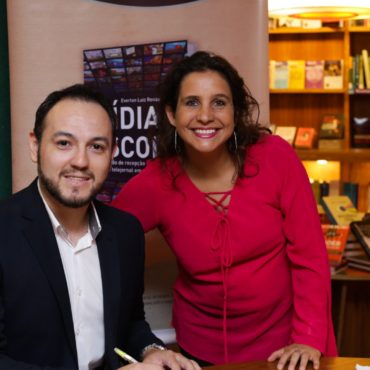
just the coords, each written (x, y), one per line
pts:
(359, 72)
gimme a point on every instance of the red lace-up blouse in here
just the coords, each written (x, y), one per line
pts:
(254, 275)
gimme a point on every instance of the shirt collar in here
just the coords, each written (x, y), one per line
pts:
(94, 222)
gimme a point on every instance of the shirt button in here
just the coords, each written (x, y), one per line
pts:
(79, 292)
(77, 332)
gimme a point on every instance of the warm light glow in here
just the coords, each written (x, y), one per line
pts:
(329, 171)
(319, 9)
(322, 162)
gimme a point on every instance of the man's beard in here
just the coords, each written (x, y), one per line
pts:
(70, 202)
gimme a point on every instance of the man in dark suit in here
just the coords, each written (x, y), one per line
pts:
(71, 268)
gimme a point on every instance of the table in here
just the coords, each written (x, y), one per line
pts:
(326, 363)
(359, 281)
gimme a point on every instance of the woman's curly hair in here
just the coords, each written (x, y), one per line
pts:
(247, 128)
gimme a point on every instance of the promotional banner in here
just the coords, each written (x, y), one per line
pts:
(129, 77)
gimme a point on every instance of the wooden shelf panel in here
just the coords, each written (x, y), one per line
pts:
(287, 30)
(359, 29)
(344, 155)
(307, 91)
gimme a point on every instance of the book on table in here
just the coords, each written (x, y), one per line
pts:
(359, 262)
(340, 209)
(335, 240)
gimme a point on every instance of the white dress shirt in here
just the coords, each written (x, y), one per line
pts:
(82, 270)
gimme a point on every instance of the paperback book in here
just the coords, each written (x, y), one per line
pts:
(340, 210)
(287, 133)
(305, 138)
(333, 74)
(314, 74)
(332, 126)
(335, 240)
(296, 76)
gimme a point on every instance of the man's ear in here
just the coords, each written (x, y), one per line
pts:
(170, 115)
(34, 146)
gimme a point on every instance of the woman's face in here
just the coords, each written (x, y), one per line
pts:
(204, 116)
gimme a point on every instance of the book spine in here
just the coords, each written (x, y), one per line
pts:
(351, 190)
(365, 60)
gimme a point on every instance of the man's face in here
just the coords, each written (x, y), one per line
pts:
(74, 154)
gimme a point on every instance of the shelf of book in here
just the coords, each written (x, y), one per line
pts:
(304, 104)
(346, 155)
(360, 92)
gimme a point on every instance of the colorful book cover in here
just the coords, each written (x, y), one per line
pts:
(314, 74)
(335, 240)
(333, 74)
(281, 75)
(287, 133)
(340, 210)
(305, 138)
(332, 126)
(296, 79)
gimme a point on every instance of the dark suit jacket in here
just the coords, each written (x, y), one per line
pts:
(36, 326)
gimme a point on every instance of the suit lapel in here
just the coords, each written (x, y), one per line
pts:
(111, 281)
(39, 232)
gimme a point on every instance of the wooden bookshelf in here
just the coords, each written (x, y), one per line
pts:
(345, 155)
(306, 107)
(309, 91)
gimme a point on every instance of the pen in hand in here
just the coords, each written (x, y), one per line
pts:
(125, 356)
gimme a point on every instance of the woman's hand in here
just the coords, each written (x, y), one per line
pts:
(294, 354)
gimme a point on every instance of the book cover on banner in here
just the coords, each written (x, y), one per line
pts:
(340, 210)
(333, 74)
(335, 240)
(128, 75)
(314, 74)
(296, 76)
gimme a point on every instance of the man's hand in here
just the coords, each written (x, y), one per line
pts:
(170, 359)
(294, 354)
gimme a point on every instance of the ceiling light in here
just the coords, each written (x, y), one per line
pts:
(319, 9)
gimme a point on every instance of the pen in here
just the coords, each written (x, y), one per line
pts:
(125, 356)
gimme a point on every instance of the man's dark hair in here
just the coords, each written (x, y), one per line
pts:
(74, 92)
(247, 128)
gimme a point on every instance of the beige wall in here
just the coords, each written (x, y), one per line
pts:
(46, 39)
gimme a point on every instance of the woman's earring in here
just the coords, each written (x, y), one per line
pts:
(177, 148)
(235, 142)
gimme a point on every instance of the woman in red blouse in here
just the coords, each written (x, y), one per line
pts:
(235, 205)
